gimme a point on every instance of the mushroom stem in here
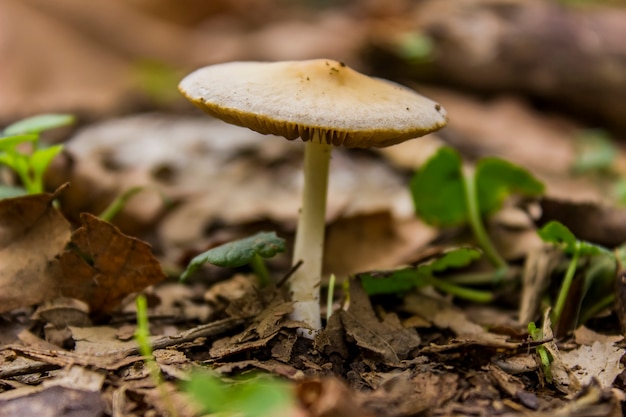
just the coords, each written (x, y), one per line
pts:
(309, 245)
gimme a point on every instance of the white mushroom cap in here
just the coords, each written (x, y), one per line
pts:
(299, 98)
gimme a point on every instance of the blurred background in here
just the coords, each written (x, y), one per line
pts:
(541, 83)
(112, 57)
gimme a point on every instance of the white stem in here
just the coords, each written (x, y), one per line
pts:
(309, 245)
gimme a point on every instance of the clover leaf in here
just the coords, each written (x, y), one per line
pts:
(446, 193)
(497, 179)
(437, 190)
(238, 253)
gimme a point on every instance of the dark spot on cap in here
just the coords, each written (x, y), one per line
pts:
(407, 109)
(308, 79)
(438, 107)
(341, 64)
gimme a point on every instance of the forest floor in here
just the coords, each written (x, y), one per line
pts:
(455, 341)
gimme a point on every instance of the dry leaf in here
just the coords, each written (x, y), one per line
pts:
(585, 336)
(272, 366)
(265, 326)
(32, 234)
(76, 376)
(409, 394)
(386, 339)
(100, 341)
(102, 266)
(600, 361)
(442, 313)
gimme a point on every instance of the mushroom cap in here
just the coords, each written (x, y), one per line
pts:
(300, 98)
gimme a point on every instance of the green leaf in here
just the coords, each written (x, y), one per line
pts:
(258, 397)
(455, 258)
(41, 158)
(437, 190)
(591, 249)
(38, 124)
(238, 253)
(16, 161)
(558, 234)
(393, 282)
(19, 163)
(496, 179)
(8, 143)
(537, 334)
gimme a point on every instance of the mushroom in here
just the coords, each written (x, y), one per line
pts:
(325, 103)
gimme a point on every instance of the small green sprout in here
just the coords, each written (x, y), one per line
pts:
(329, 297)
(447, 194)
(536, 334)
(402, 280)
(142, 337)
(559, 235)
(30, 166)
(118, 204)
(247, 251)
